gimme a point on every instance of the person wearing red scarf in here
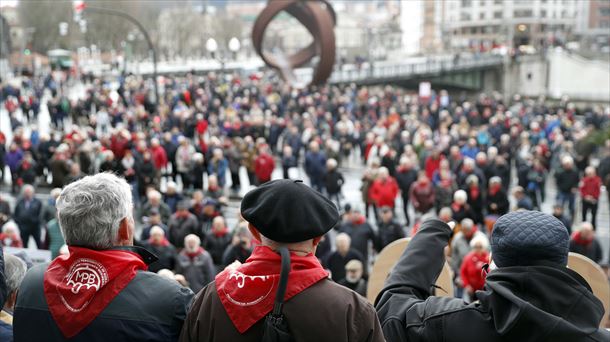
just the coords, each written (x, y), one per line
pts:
(475, 198)
(217, 240)
(584, 242)
(590, 190)
(263, 165)
(102, 289)
(422, 194)
(282, 213)
(497, 199)
(195, 263)
(384, 189)
(470, 271)
(158, 244)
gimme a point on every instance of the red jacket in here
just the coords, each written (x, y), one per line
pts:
(159, 157)
(433, 165)
(471, 270)
(263, 167)
(384, 193)
(591, 187)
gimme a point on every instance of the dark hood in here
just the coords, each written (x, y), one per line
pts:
(539, 303)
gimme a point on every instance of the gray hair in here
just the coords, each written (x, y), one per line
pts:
(14, 271)
(90, 210)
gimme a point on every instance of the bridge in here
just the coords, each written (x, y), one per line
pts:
(466, 73)
(554, 74)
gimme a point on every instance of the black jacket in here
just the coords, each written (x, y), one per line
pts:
(521, 303)
(150, 308)
(3, 288)
(333, 180)
(567, 180)
(28, 219)
(405, 179)
(389, 232)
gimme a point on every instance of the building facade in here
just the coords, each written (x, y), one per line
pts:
(485, 24)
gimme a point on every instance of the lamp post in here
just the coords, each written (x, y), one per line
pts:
(234, 46)
(151, 47)
(212, 47)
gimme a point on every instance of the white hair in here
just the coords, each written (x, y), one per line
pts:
(10, 225)
(14, 271)
(90, 210)
(57, 191)
(331, 163)
(460, 196)
(480, 239)
(343, 237)
(192, 237)
(157, 229)
(383, 171)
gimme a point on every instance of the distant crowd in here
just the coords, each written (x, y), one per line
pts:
(448, 156)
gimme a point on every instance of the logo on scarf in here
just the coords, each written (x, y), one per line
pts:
(240, 293)
(86, 273)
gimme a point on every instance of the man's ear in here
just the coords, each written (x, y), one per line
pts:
(255, 233)
(125, 232)
(317, 240)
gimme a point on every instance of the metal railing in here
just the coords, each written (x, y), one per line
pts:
(403, 70)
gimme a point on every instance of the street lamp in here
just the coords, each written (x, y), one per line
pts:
(211, 46)
(234, 46)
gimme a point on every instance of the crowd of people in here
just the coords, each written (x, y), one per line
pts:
(445, 156)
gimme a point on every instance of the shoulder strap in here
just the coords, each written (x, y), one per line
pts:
(281, 290)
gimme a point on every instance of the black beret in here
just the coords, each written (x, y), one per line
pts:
(524, 238)
(289, 211)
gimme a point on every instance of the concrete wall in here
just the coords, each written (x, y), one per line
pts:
(532, 76)
(578, 78)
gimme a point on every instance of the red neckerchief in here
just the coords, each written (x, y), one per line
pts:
(220, 233)
(577, 237)
(248, 292)
(162, 243)
(193, 255)
(474, 192)
(78, 287)
(360, 219)
(493, 190)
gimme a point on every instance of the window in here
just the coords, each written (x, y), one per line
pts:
(482, 3)
(498, 15)
(604, 12)
(466, 3)
(543, 13)
(465, 16)
(523, 13)
(481, 15)
(498, 2)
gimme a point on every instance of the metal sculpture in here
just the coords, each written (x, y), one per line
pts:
(319, 19)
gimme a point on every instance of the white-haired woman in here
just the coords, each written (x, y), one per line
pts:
(472, 265)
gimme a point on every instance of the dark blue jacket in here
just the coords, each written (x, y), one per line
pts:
(150, 308)
(3, 289)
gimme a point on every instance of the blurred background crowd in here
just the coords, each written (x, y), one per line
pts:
(386, 156)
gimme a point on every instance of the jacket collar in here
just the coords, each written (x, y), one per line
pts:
(147, 256)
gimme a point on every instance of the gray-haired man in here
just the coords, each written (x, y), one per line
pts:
(100, 290)
(14, 271)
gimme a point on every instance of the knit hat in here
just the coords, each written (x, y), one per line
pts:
(524, 238)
